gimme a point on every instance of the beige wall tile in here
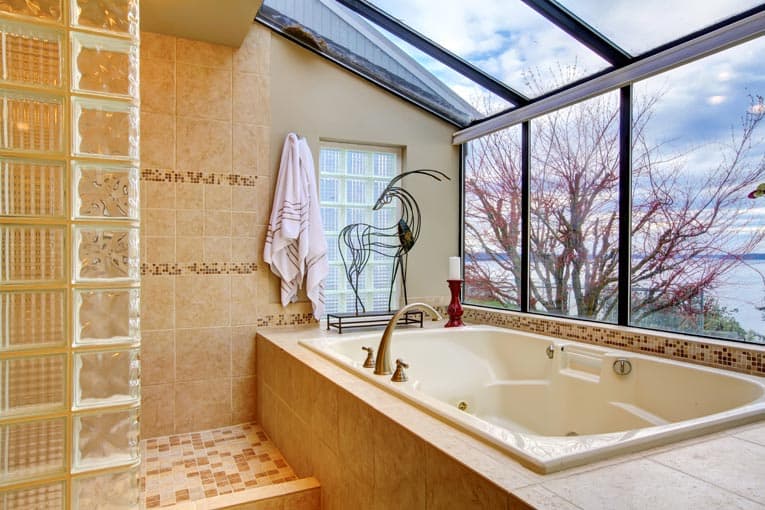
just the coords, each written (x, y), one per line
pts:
(324, 417)
(243, 399)
(245, 249)
(159, 250)
(269, 290)
(158, 222)
(251, 146)
(203, 53)
(399, 460)
(265, 194)
(188, 249)
(157, 46)
(202, 354)
(203, 145)
(252, 99)
(244, 225)
(157, 357)
(157, 410)
(157, 195)
(157, 302)
(189, 223)
(355, 441)
(466, 490)
(218, 196)
(202, 301)
(217, 249)
(217, 223)
(244, 298)
(244, 198)
(204, 91)
(157, 140)
(253, 56)
(201, 405)
(157, 86)
(189, 195)
(243, 350)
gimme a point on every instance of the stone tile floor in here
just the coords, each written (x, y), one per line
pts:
(197, 465)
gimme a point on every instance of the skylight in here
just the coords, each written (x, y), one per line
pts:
(505, 38)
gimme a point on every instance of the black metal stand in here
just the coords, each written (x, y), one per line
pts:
(343, 321)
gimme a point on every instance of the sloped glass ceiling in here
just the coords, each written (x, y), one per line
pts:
(624, 21)
(516, 46)
(505, 38)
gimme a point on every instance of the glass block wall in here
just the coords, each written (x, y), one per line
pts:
(69, 267)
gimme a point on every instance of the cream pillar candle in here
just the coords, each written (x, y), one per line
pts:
(455, 272)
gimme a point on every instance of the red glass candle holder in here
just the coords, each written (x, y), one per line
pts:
(455, 307)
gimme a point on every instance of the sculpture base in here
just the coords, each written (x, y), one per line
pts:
(343, 321)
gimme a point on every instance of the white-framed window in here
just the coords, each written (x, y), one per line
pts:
(351, 178)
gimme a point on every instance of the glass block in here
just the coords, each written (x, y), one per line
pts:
(105, 439)
(105, 191)
(33, 385)
(112, 491)
(31, 188)
(104, 128)
(106, 316)
(43, 497)
(106, 378)
(120, 16)
(32, 319)
(32, 449)
(104, 65)
(32, 122)
(39, 9)
(31, 55)
(105, 254)
(30, 253)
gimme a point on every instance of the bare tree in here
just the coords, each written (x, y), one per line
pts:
(686, 222)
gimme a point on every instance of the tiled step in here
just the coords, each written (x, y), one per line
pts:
(220, 467)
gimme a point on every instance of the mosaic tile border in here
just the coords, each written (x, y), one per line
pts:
(714, 354)
(176, 176)
(204, 268)
(285, 319)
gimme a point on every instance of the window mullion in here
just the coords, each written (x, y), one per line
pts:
(525, 221)
(625, 203)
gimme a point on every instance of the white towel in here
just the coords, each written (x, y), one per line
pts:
(295, 244)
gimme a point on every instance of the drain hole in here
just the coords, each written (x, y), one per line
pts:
(462, 405)
(572, 434)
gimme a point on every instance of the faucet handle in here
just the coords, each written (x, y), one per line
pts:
(399, 375)
(370, 361)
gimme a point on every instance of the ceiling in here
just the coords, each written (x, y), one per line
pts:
(203, 20)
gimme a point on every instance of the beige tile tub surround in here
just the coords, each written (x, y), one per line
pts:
(205, 195)
(328, 422)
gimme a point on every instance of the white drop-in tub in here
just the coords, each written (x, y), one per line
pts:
(559, 412)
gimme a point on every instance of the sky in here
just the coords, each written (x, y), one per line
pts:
(700, 104)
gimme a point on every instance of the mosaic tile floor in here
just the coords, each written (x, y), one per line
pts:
(197, 465)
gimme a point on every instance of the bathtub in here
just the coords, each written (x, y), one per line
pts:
(553, 404)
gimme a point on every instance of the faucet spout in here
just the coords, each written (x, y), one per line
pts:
(382, 364)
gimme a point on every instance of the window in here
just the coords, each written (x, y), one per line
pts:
(352, 177)
(698, 242)
(682, 252)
